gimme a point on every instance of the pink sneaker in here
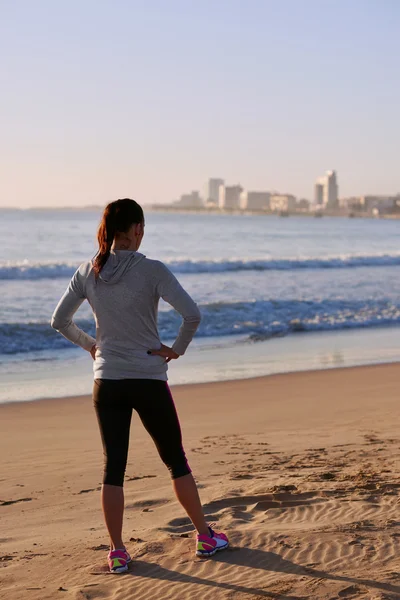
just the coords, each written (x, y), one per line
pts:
(118, 560)
(209, 545)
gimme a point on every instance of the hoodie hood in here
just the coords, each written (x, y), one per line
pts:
(118, 263)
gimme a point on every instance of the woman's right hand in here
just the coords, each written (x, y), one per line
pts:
(164, 351)
(93, 351)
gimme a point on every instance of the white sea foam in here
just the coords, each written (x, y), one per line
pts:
(24, 270)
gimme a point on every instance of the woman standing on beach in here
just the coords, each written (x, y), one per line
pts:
(123, 287)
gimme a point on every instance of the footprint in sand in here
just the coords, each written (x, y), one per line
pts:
(243, 476)
(97, 489)
(147, 505)
(352, 591)
(8, 502)
(263, 502)
(137, 477)
(372, 438)
(31, 555)
(183, 525)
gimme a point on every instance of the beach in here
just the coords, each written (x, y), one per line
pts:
(301, 470)
(171, 212)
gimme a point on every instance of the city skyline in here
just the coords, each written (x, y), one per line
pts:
(218, 193)
(101, 101)
(221, 195)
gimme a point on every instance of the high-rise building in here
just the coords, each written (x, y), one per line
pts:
(212, 190)
(326, 189)
(255, 200)
(331, 190)
(230, 196)
(319, 194)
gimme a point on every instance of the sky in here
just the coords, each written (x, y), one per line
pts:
(148, 99)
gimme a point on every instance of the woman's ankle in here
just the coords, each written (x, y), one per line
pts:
(117, 546)
(204, 531)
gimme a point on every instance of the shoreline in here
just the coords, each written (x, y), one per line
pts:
(345, 214)
(212, 360)
(193, 386)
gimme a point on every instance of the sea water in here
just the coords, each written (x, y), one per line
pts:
(276, 294)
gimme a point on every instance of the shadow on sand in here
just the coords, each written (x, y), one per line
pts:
(256, 560)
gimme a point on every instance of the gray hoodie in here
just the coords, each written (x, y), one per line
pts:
(125, 301)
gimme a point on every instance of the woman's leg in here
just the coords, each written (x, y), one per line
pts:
(158, 414)
(112, 501)
(186, 491)
(112, 405)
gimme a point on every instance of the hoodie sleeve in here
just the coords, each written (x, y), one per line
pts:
(170, 290)
(62, 321)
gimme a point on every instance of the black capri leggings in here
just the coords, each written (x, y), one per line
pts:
(114, 400)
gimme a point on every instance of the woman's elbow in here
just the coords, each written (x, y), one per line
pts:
(196, 317)
(56, 323)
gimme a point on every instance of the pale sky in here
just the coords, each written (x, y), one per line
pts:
(148, 98)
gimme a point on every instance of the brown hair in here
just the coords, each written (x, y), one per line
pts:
(118, 217)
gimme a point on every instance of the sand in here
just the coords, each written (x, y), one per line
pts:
(300, 470)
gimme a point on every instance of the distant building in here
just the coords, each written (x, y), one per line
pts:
(382, 203)
(282, 202)
(351, 203)
(192, 200)
(230, 196)
(331, 190)
(221, 196)
(327, 191)
(303, 205)
(319, 194)
(255, 200)
(212, 191)
(371, 204)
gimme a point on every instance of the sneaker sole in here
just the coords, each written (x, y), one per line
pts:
(208, 554)
(119, 570)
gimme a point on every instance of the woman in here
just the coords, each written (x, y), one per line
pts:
(123, 287)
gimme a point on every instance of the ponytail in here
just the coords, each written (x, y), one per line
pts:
(118, 217)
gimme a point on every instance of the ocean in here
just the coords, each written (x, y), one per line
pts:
(276, 294)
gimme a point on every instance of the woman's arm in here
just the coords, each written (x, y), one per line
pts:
(65, 310)
(171, 291)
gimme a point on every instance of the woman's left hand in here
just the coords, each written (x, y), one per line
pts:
(93, 351)
(166, 352)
